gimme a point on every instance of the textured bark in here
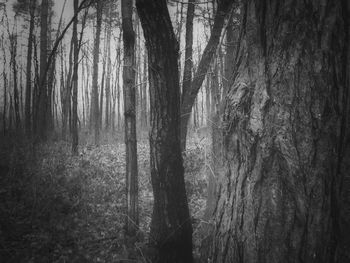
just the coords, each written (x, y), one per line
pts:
(277, 192)
(129, 87)
(189, 96)
(171, 230)
(231, 44)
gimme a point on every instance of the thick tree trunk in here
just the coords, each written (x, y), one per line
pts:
(132, 220)
(189, 96)
(231, 39)
(277, 191)
(171, 229)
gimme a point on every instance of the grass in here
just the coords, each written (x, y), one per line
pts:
(55, 207)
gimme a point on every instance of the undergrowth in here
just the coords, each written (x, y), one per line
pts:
(56, 207)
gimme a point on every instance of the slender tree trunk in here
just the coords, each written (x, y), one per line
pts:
(10, 113)
(94, 92)
(50, 73)
(189, 96)
(187, 76)
(67, 92)
(171, 229)
(284, 132)
(132, 221)
(75, 81)
(4, 76)
(13, 63)
(28, 93)
(103, 80)
(41, 116)
(35, 97)
(87, 103)
(144, 108)
(4, 117)
(108, 79)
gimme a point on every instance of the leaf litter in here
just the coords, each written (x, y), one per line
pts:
(56, 207)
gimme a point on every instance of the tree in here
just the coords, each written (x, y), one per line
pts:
(95, 116)
(75, 80)
(28, 93)
(284, 136)
(109, 69)
(13, 63)
(189, 95)
(171, 229)
(187, 76)
(41, 112)
(130, 117)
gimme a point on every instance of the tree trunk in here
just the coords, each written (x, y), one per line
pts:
(231, 34)
(103, 80)
(171, 229)
(13, 63)
(187, 76)
(144, 108)
(94, 92)
(278, 188)
(28, 93)
(41, 116)
(132, 221)
(75, 81)
(4, 117)
(67, 91)
(108, 79)
(189, 96)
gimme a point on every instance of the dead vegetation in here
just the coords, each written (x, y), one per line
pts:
(56, 207)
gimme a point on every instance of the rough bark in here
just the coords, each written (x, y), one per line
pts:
(129, 87)
(282, 131)
(189, 96)
(171, 229)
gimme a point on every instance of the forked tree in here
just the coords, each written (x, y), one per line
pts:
(171, 229)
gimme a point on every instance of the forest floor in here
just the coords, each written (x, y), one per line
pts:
(55, 207)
